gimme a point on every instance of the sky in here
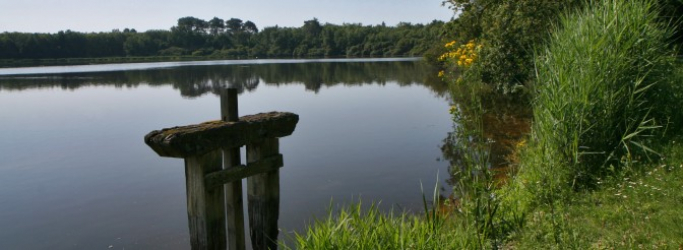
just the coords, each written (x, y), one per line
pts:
(50, 16)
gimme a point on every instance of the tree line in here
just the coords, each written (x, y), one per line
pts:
(232, 38)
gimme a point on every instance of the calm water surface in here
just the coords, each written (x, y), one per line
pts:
(76, 174)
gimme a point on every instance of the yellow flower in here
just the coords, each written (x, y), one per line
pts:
(521, 144)
(462, 55)
(470, 45)
(441, 73)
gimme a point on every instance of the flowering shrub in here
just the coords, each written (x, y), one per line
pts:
(462, 56)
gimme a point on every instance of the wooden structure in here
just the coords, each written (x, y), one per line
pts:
(214, 173)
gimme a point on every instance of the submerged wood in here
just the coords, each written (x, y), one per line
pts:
(192, 140)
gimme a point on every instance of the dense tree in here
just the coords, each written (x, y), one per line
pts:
(192, 25)
(232, 38)
(234, 25)
(312, 28)
(250, 27)
(189, 33)
(216, 26)
(141, 45)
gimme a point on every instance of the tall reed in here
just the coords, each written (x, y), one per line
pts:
(602, 87)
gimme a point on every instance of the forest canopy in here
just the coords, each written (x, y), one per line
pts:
(231, 38)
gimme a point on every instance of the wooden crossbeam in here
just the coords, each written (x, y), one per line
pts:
(240, 172)
(194, 140)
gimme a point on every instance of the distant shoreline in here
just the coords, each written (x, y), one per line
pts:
(20, 63)
(144, 65)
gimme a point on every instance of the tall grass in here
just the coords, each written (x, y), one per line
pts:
(358, 227)
(604, 85)
(601, 92)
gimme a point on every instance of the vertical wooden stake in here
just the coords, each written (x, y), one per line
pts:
(204, 207)
(264, 197)
(233, 190)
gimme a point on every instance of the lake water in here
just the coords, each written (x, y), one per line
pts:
(75, 172)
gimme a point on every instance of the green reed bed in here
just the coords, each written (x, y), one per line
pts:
(604, 89)
(608, 94)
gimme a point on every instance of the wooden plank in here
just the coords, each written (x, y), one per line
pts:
(205, 207)
(202, 138)
(233, 190)
(263, 191)
(219, 178)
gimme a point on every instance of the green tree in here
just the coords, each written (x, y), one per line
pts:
(234, 25)
(216, 26)
(140, 45)
(189, 33)
(250, 27)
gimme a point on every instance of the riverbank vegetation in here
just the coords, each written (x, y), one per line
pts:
(602, 166)
(193, 38)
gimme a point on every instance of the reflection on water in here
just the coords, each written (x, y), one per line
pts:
(489, 127)
(194, 81)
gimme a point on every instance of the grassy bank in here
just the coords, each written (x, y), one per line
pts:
(600, 169)
(637, 209)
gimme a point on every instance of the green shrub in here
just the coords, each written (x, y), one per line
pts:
(203, 52)
(509, 31)
(173, 51)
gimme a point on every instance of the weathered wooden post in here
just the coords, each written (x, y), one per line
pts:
(264, 196)
(206, 178)
(233, 190)
(205, 206)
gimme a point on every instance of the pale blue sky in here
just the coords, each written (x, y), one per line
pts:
(105, 15)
